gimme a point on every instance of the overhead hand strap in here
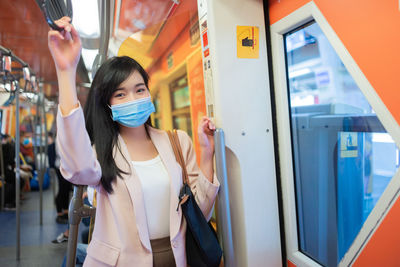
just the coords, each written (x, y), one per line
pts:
(54, 10)
(173, 138)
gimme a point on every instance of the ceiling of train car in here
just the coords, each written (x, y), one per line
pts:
(23, 30)
(155, 25)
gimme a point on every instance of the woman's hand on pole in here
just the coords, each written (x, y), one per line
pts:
(206, 135)
(206, 131)
(65, 46)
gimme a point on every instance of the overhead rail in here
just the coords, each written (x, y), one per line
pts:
(7, 52)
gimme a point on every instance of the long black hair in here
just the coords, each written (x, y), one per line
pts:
(103, 131)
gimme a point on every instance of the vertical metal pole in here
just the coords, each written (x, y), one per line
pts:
(44, 155)
(17, 172)
(224, 215)
(46, 137)
(105, 7)
(41, 156)
(3, 178)
(74, 220)
(77, 210)
(104, 15)
(35, 135)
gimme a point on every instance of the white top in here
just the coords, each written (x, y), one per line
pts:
(156, 193)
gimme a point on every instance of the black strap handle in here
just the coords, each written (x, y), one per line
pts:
(54, 10)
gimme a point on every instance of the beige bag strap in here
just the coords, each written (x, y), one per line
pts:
(173, 138)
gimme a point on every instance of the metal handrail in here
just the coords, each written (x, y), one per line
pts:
(2, 175)
(224, 224)
(77, 211)
(104, 14)
(17, 174)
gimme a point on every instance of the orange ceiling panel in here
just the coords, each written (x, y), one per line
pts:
(173, 27)
(140, 14)
(23, 30)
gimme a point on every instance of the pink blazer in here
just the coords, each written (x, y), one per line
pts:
(121, 236)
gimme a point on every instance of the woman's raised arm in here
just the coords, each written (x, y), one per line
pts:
(78, 162)
(65, 48)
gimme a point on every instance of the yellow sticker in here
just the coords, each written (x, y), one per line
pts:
(247, 39)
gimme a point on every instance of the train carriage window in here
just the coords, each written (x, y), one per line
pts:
(343, 156)
(157, 114)
(180, 103)
(180, 93)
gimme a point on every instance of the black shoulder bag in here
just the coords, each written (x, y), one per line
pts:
(202, 247)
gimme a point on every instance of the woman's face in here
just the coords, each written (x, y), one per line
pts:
(132, 88)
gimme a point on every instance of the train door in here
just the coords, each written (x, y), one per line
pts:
(235, 66)
(337, 143)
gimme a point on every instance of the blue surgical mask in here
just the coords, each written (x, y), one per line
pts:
(133, 113)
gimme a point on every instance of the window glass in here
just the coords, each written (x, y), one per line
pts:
(183, 122)
(343, 156)
(180, 93)
(158, 123)
(181, 98)
(180, 102)
(157, 103)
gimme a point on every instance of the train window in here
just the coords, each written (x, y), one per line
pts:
(157, 103)
(157, 114)
(158, 123)
(183, 122)
(343, 157)
(180, 102)
(180, 93)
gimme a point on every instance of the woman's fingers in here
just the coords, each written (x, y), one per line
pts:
(64, 23)
(68, 31)
(211, 125)
(207, 126)
(60, 23)
(66, 19)
(55, 35)
(75, 35)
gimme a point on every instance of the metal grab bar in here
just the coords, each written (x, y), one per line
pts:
(17, 173)
(2, 176)
(223, 215)
(77, 211)
(104, 15)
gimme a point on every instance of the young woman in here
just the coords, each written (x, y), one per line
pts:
(131, 164)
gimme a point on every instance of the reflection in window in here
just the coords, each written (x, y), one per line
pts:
(158, 123)
(157, 104)
(180, 102)
(183, 122)
(157, 113)
(343, 157)
(180, 93)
